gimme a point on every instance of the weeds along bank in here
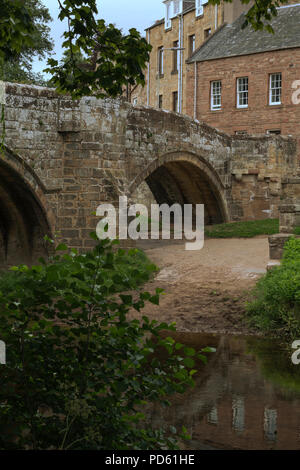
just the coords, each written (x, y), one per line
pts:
(276, 305)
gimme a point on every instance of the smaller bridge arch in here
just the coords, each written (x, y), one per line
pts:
(23, 219)
(184, 178)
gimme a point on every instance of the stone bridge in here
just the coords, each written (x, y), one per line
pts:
(62, 158)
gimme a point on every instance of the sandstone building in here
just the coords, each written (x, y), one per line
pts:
(247, 82)
(187, 25)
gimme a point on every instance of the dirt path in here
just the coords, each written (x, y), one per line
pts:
(205, 290)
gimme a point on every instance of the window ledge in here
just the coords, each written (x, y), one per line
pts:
(174, 72)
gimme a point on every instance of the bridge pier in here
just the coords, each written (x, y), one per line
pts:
(289, 219)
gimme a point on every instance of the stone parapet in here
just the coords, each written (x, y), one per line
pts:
(289, 217)
(276, 244)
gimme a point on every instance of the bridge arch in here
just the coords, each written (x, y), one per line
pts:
(185, 178)
(23, 218)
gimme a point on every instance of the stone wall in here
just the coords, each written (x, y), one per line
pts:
(260, 169)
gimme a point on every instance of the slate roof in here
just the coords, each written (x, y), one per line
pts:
(230, 40)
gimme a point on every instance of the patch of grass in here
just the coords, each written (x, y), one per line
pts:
(246, 229)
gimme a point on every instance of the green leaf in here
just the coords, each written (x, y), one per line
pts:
(189, 351)
(188, 362)
(61, 247)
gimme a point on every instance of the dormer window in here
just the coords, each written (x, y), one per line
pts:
(199, 6)
(168, 23)
(173, 8)
(177, 7)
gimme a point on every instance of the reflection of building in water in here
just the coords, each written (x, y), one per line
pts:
(254, 429)
(270, 424)
(235, 407)
(212, 416)
(238, 413)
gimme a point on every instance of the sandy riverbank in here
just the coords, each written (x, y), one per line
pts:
(205, 291)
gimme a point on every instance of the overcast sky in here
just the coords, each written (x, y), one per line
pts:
(125, 14)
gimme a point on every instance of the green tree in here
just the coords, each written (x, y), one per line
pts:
(119, 59)
(12, 71)
(78, 371)
(17, 64)
(71, 60)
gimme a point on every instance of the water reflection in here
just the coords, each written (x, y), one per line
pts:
(247, 397)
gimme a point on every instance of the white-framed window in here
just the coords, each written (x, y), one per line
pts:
(275, 89)
(199, 6)
(240, 132)
(270, 424)
(242, 92)
(215, 94)
(238, 413)
(212, 417)
(168, 22)
(175, 101)
(176, 56)
(273, 132)
(177, 7)
(192, 44)
(160, 101)
(207, 33)
(160, 58)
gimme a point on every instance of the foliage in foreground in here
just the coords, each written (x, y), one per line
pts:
(276, 304)
(246, 229)
(78, 370)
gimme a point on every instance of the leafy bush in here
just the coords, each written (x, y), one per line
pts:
(276, 304)
(291, 250)
(78, 371)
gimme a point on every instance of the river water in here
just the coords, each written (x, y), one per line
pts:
(246, 397)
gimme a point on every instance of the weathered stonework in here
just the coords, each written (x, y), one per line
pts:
(276, 245)
(63, 158)
(289, 217)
